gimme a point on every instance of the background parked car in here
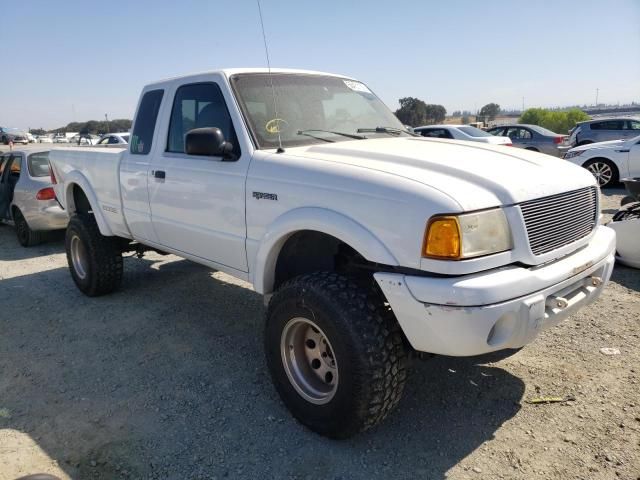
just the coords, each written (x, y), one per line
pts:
(30, 138)
(12, 135)
(608, 161)
(531, 137)
(27, 197)
(112, 139)
(84, 140)
(461, 132)
(44, 139)
(602, 130)
(59, 138)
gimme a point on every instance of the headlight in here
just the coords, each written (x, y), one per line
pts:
(571, 154)
(468, 235)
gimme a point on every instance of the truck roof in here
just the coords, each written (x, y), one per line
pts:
(228, 72)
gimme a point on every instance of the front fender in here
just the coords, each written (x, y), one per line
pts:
(76, 178)
(320, 220)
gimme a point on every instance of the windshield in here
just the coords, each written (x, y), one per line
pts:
(311, 109)
(474, 132)
(39, 164)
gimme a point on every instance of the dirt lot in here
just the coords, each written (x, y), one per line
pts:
(165, 379)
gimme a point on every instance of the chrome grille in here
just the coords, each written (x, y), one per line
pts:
(558, 220)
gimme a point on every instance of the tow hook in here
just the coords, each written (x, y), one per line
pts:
(596, 281)
(557, 302)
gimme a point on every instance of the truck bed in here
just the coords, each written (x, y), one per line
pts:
(97, 171)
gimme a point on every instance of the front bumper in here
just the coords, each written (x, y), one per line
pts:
(501, 308)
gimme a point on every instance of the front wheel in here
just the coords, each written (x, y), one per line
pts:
(603, 170)
(95, 260)
(336, 354)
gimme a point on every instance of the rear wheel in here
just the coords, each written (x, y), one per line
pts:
(336, 354)
(603, 170)
(26, 236)
(95, 260)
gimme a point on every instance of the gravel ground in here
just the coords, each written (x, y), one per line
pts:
(165, 379)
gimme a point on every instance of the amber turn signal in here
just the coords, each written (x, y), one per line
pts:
(442, 239)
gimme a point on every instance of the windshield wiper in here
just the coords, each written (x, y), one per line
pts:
(343, 134)
(392, 130)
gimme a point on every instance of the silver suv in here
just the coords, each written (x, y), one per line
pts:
(602, 130)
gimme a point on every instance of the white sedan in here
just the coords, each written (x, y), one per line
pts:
(608, 161)
(461, 132)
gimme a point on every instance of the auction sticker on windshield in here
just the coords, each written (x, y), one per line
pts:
(356, 86)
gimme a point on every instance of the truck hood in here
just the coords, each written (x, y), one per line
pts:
(473, 174)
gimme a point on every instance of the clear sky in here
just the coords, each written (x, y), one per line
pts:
(71, 60)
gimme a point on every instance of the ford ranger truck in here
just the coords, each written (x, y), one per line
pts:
(367, 242)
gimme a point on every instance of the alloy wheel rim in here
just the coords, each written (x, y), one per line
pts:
(309, 361)
(79, 257)
(602, 172)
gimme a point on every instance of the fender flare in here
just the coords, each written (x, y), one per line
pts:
(76, 178)
(320, 220)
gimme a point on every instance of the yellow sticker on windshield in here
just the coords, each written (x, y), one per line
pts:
(275, 125)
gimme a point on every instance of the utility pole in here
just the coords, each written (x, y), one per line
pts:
(106, 120)
(523, 104)
(597, 91)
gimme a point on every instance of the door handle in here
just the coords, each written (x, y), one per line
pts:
(159, 174)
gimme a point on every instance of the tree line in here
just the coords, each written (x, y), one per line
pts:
(94, 127)
(415, 112)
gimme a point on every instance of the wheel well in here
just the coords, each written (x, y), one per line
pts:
(309, 251)
(80, 200)
(533, 149)
(584, 142)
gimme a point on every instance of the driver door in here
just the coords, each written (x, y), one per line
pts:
(198, 202)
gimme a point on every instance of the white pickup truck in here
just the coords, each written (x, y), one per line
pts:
(367, 242)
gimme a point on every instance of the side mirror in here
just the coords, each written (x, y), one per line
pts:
(209, 142)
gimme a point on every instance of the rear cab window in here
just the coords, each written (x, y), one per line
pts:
(142, 136)
(38, 164)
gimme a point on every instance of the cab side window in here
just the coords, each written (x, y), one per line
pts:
(199, 105)
(145, 123)
(2, 163)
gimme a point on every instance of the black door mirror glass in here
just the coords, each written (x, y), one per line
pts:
(208, 142)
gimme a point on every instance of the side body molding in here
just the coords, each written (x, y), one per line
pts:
(316, 219)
